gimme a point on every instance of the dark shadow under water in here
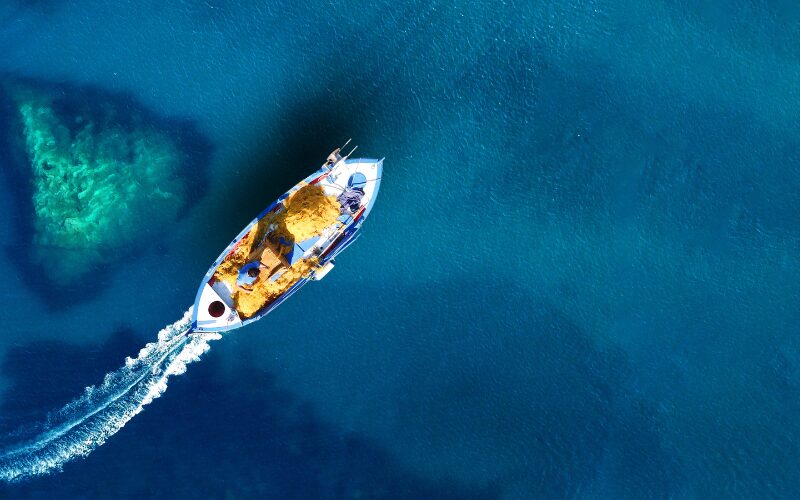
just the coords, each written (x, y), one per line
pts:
(90, 101)
(18, 8)
(209, 436)
(547, 410)
(293, 148)
(308, 129)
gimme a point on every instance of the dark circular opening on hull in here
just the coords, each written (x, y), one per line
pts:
(216, 309)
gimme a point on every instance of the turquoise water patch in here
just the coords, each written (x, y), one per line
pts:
(99, 179)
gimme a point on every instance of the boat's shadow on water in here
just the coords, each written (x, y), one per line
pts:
(195, 148)
(211, 435)
(308, 129)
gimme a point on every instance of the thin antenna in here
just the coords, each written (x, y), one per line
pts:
(345, 144)
(351, 152)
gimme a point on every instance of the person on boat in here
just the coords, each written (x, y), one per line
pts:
(266, 259)
(334, 157)
(248, 275)
(350, 199)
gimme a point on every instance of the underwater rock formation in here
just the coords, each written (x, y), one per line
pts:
(99, 175)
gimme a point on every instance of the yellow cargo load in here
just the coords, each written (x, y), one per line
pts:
(304, 214)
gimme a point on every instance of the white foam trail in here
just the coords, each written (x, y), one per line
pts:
(84, 424)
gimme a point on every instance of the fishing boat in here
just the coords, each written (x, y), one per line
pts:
(293, 241)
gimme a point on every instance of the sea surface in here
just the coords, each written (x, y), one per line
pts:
(580, 279)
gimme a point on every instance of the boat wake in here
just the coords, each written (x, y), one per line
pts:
(84, 424)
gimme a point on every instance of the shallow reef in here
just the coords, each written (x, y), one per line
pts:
(94, 182)
(101, 175)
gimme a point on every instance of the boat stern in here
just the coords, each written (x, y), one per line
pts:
(213, 312)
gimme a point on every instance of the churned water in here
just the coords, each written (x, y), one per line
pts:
(580, 278)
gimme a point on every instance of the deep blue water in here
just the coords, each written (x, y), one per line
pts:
(580, 278)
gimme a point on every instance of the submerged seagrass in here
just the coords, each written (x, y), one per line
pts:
(98, 177)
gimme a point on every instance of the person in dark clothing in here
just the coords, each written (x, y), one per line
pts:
(334, 157)
(350, 198)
